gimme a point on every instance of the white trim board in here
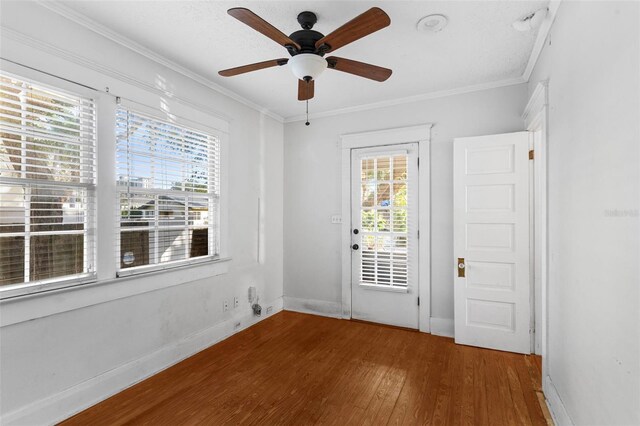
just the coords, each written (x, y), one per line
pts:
(555, 404)
(64, 404)
(543, 33)
(311, 306)
(442, 327)
(409, 99)
(422, 135)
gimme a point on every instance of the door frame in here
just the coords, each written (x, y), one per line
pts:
(535, 118)
(421, 135)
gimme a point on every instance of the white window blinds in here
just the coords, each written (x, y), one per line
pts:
(47, 184)
(168, 192)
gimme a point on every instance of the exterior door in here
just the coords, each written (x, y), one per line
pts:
(384, 232)
(491, 241)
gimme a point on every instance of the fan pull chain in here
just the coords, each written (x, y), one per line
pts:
(307, 123)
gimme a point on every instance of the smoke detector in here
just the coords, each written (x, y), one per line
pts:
(432, 23)
(531, 21)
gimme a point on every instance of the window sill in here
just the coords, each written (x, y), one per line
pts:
(38, 305)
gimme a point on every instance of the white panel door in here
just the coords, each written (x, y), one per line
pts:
(491, 241)
(384, 231)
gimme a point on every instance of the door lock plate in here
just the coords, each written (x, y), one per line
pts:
(461, 267)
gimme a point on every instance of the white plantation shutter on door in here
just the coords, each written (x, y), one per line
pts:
(168, 192)
(386, 219)
(47, 184)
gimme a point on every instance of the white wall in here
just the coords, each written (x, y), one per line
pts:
(63, 351)
(591, 62)
(312, 163)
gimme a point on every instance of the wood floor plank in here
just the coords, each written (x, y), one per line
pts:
(298, 369)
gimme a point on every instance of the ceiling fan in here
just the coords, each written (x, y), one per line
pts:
(308, 47)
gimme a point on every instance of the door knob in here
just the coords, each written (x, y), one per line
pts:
(355, 247)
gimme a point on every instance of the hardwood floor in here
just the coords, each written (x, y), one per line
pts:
(302, 369)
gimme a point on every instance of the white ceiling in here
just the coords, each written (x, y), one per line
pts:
(479, 46)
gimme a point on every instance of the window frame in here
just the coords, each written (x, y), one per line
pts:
(215, 224)
(107, 286)
(90, 221)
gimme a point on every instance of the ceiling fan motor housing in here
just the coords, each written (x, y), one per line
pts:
(306, 37)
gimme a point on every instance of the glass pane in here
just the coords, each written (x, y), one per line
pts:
(368, 220)
(136, 210)
(400, 194)
(368, 192)
(384, 196)
(134, 248)
(199, 242)
(57, 209)
(400, 168)
(367, 169)
(11, 260)
(172, 244)
(384, 171)
(56, 255)
(11, 209)
(171, 211)
(383, 224)
(400, 220)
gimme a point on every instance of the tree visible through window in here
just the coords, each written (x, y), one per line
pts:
(47, 183)
(167, 178)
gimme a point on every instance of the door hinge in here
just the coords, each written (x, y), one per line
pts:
(418, 162)
(418, 301)
(418, 234)
(531, 154)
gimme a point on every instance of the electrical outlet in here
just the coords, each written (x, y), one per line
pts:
(336, 218)
(269, 310)
(236, 302)
(225, 306)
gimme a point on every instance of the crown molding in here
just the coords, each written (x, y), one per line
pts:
(543, 33)
(100, 29)
(410, 99)
(26, 40)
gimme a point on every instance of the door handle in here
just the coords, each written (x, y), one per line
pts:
(355, 247)
(461, 267)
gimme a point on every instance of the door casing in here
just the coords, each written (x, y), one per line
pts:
(415, 134)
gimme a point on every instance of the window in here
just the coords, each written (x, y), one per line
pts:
(47, 184)
(168, 192)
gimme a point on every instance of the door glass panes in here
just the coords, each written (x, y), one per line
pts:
(384, 225)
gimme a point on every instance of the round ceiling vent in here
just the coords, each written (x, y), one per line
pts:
(432, 23)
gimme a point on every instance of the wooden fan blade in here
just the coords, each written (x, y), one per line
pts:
(257, 23)
(253, 67)
(369, 22)
(305, 90)
(362, 69)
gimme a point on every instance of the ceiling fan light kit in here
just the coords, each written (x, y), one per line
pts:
(308, 65)
(308, 47)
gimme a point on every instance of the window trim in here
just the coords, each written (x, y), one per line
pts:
(106, 286)
(74, 90)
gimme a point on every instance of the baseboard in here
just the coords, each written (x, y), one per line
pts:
(554, 402)
(65, 404)
(442, 327)
(311, 306)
